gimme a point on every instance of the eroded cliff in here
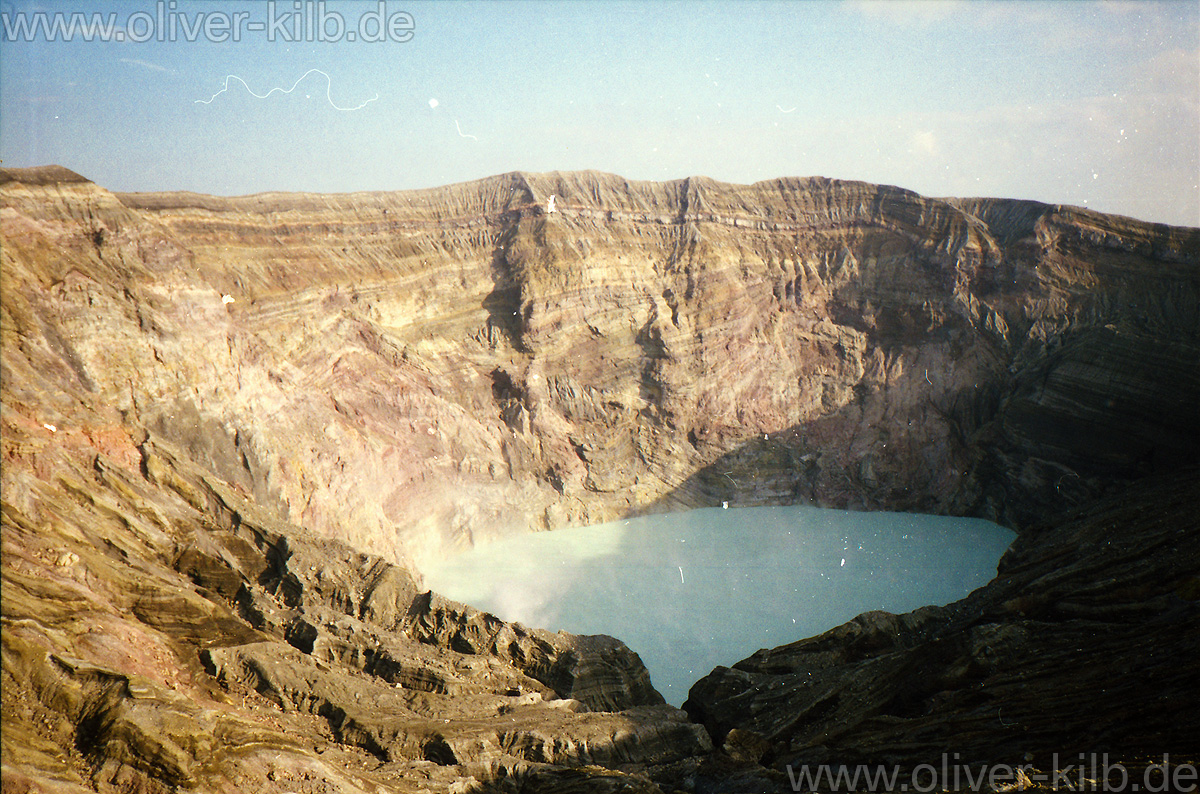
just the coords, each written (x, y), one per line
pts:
(188, 380)
(433, 365)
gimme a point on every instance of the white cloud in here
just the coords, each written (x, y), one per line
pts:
(145, 64)
(923, 142)
(1132, 153)
(1175, 72)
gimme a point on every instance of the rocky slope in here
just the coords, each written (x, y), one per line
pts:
(189, 380)
(162, 632)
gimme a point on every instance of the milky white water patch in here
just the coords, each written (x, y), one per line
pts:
(690, 591)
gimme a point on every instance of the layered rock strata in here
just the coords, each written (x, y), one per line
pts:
(233, 428)
(415, 371)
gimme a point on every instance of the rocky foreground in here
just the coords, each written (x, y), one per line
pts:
(233, 428)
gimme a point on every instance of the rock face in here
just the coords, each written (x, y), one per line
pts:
(161, 631)
(415, 371)
(234, 427)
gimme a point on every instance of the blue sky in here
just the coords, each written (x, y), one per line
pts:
(1088, 103)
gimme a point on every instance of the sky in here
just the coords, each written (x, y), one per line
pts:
(1080, 102)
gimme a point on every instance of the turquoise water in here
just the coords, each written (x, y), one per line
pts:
(690, 591)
